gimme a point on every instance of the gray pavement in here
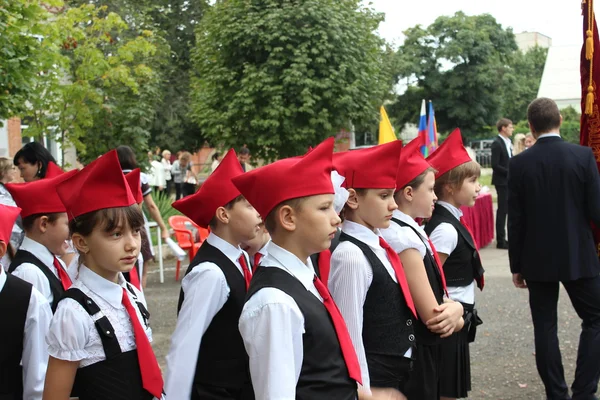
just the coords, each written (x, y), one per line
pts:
(503, 365)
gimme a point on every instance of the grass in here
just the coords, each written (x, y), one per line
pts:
(485, 180)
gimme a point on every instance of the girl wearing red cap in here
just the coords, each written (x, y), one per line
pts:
(26, 316)
(415, 198)
(456, 185)
(99, 338)
(366, 279)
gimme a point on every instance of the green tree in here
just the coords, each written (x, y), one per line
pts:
(280, 76)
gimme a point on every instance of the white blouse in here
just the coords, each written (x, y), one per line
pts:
(73, 335)
(401, 238)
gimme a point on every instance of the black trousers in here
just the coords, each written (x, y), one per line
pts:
(585, 297)
(501, 213)
(178, 190)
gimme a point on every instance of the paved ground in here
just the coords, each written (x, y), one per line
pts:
(503, 365)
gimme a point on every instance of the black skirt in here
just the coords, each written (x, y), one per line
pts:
(455, 366)
(389, 371)
(424, 382)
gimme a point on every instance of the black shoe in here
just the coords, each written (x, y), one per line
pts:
(502, 245)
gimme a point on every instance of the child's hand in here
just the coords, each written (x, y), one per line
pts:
(382, 394)
(445, 324)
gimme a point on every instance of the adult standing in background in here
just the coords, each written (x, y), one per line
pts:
(32, 161)
(166, 163)
(243, 157)
(553, 196)
(501, 153)
(8, 174)
(529, 140)
(216, 160)
(179, 171)
(519, 144)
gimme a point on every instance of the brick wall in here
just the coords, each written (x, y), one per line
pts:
(14, 136)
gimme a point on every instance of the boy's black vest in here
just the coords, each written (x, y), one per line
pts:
(118, 377)
(464, 264)
(14, 303)
(387, 321)
(22, 257)
(222, 359)
(424, 335)
(324, 375)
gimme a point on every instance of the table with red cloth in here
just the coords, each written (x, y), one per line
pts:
(480, 219)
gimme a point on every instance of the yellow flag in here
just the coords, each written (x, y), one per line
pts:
(386, 130)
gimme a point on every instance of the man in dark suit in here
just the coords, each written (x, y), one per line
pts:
(501, 153)
(553, 195)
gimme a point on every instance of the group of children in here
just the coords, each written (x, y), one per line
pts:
(283, 300)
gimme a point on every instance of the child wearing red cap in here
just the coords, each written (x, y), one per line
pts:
(26, 316)
(207, 359)
(99, 338)
(46, 229)
(456, 185)
(366, 278)
(416, 198)
(257, 247)
(296, 339)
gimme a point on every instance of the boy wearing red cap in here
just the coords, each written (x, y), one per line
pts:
(26, 316)
(367, 279)
(296, 339)
(457, 184)
(416, 198)
(46, 229)
(207, 359)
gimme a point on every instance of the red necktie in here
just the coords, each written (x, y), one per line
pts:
(134, 278)
(324, 266)
(245, 270)
(257, 258)
(341, 331)
(480, 280)
(439, 265)
(399, 270)
(152, 379)
(65, 280)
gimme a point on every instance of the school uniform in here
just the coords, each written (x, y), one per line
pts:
(260, 255)
(91, 326)
(403, 234)
(23, 355)
(301, 358)
(206, 336)
(364, 285)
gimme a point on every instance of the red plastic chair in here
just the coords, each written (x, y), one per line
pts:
(185, 237)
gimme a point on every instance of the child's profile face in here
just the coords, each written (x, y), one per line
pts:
(424, 197)
(375, 208)
(244, 221)
(468, 193)
(316, 223)
(254, 245)
(56, 234)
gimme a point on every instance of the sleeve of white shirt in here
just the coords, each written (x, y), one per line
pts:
(69, 331)
(206, 291)
(35, 351)
(349, 281)
(272, 327)
(445, 238)
(403, 238)
(32, 274)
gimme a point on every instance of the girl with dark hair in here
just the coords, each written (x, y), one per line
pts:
(32, 161)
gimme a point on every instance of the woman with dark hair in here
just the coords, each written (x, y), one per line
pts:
(128, 163)
(32, 161)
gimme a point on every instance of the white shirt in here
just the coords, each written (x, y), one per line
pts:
(32, 274)
(167, 168)
(206, 292)
(157, 177)
(401, 238)
(272, 326)
(508, 145)
(550, 134)
(445, 238)
(35, 354)
(350, 277)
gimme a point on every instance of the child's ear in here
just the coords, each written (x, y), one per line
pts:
(287, 218)
(222, 215)
(80, 243)
(407, 193)
(43, 223)
(352, 201)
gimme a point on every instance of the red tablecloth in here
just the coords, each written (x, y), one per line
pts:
(480, 218)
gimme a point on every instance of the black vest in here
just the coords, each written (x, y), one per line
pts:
(116, 378)
(222, 359)
(324, 375)
(424, 335)
(387, 321)
(14, 303)
(22, 257)
(464, 264)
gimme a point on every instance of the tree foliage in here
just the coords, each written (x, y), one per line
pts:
(280, 76)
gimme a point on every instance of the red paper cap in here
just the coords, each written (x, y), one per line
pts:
(412, 163)
(39, 197)
(450, 154)
(8, 216)
(371, 168)
(215, 192)
(287, 179)
(53, 170)
(99, 185)
(133, 180)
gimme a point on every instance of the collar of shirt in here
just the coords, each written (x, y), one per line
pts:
(2, 278)
(453, 210)
(546, 135)
(264, 250)
(281, 258)
(40, 251)
(230, 251)
(362, 233)
(410, 221)
(109, 291)
(507, 143)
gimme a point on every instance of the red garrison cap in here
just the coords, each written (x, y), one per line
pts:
(450, 154)
(133, 180)
(53, 170)
(215, 192)
(8, 216)
(412, 163)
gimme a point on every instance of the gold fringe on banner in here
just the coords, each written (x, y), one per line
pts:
(589, 55)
